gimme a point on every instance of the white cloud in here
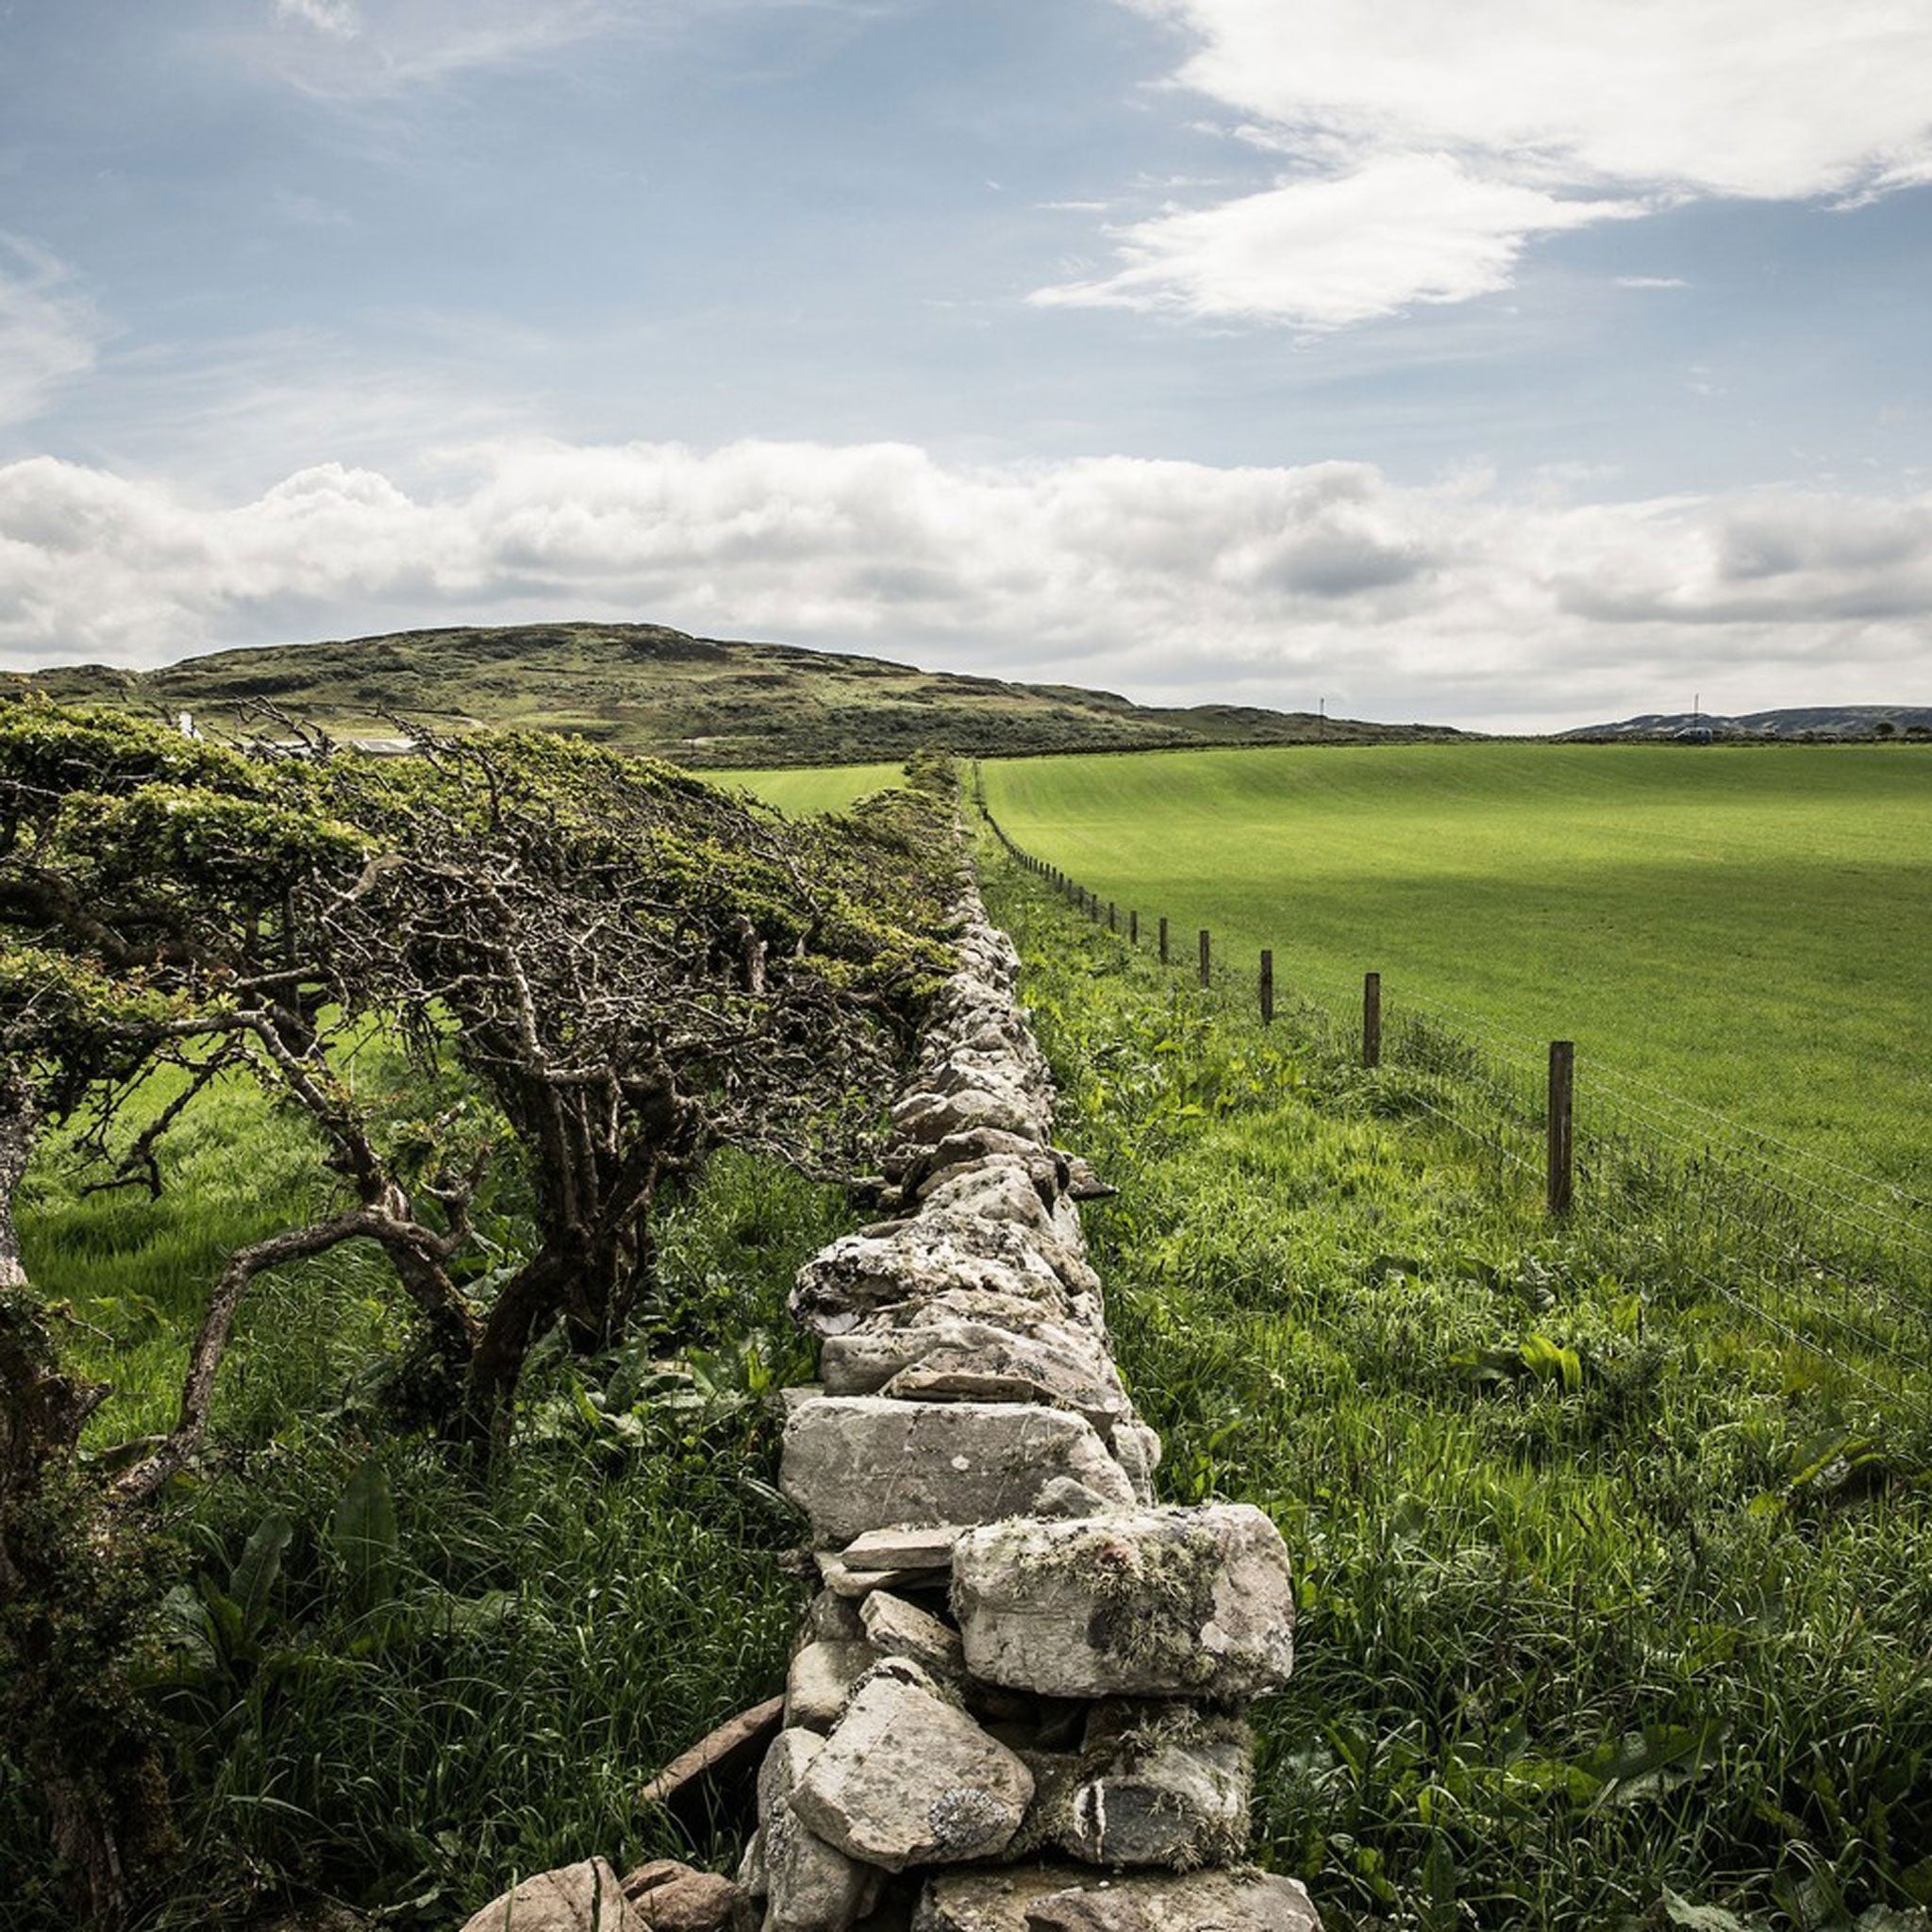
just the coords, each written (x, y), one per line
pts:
(1646, 101)
(1169, 579)
(48, 328)
(1325, 252)
(1768, 98)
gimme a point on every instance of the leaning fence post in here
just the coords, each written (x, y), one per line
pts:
(1164, 939)
(1267, 987)
(1372, 1018)
(1205, 944)
(1562, 1092)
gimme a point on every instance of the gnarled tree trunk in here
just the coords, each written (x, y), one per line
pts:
(79, 1726)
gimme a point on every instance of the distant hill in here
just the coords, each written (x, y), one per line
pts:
(702, 701)
(1807, 720)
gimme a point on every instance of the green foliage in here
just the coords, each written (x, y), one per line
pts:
(1611, 1608)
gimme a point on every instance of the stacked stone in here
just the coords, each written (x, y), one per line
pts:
(1016, 1703)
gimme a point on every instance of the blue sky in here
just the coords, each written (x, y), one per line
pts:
(1500, 364)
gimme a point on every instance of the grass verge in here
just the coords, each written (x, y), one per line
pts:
(1612, 1604)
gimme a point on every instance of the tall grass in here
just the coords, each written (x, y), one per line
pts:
(1613, 1605)
(411, 1730)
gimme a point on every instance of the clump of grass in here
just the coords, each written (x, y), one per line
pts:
(1609, 1598)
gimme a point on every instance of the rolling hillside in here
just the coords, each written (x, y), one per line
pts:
(644, 688)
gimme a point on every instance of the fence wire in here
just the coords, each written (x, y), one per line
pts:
(1835, 1263)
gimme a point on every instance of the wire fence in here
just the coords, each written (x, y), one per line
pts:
(1834, 1263)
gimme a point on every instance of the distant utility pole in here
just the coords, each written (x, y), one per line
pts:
(1320, 717)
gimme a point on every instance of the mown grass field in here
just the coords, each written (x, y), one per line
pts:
(1745, 928)
(805, 788)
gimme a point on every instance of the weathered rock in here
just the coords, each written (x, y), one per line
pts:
(1015, 1314)
(1001, 1188)
(925, 1119)
(669, 1896)
(1066, 1361)
(909, 1778)
(988, 1901)
(1182, 1803)
(753, 1879)
(1136, 1449)
(1138, 1603)
(1194, 1902)
(820, 1676)
(913, 1167)
(810, 1885)
(862, 1462)
(905, 1546)
(956, 1361)
(830, 1617)
(1083, 1184)
(842, 1580)
(911, 1261)
(1063, 1496)
(894, 1627)
(575, 1898)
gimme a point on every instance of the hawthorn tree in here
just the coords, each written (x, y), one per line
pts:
(631, 966)
(600, 967)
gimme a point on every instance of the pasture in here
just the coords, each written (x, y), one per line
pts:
(1739, 929)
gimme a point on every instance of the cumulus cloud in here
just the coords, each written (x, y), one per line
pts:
(1569, 108)
(1172, 580)
(48, 328)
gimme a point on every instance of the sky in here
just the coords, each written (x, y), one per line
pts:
(1504, 363)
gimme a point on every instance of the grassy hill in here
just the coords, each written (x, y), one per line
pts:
(644, 688)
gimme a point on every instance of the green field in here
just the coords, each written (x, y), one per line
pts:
(1745, 930)
(810, 788)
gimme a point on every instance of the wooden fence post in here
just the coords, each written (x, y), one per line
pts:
(1562, 1093)
(1372, 1018)
(1114, 924)
(1267, 987)
(1206, 974)
(1164, 939)
(1133, 928)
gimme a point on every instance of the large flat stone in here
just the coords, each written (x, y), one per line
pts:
(1194, 1902)
(1059, 1364)
(860, 1463)
(909, 1779)
(988, 1901)
(1151, 1602)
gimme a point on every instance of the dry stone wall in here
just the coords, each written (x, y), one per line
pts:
(1016, 1704)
